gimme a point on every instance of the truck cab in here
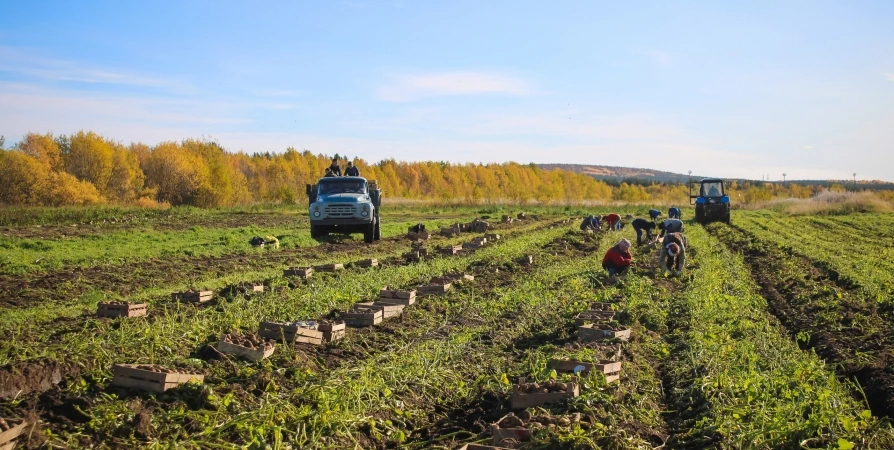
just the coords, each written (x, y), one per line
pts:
(344, 205)
(712, 201)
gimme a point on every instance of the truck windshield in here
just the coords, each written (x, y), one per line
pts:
(342, 187)
(713, 189)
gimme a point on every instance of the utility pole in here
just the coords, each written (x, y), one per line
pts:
(783, 178)
(855, 181)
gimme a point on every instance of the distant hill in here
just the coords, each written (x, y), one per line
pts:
(614, 175)
(622, 173)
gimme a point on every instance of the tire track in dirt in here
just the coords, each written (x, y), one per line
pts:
(798, 290)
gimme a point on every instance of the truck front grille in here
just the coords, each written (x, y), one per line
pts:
(337, 211)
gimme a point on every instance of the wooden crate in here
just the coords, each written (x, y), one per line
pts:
(292, 333)
(450, 250)
(593, 317)
(363, 318)
(611, 369)
(251, 354)
(413, 256)
(521, 400)
(300, 272)
(526, 260)
(397, 296)
(420, 236)
(389, 310)
(435, 288)
(601, 306)
(9, 439)
(127, 375)
(334, 267)
(521, 216)
(456, 277)
(592, 332)
(492, 236)
(121, 309)
(506, 219)
(367, 263)
(481, 447)
(472, 246)
(516, 434)
(193, 296)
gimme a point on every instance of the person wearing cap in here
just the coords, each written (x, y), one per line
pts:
(654, 214)
(618, 258)
(613, 220)
(335, 168)
(351, 171)
(674, 213)
(590, 223)
(673, 254)
(640, 225)
(670, 226)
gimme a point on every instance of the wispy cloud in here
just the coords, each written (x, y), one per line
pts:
(27, 64)
(413, 87)
(889, 76)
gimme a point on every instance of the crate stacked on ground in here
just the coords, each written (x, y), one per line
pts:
(193, 296)
(120, 309)
(367, 263)
(397, 296)
(249, 346)
(437, 286)
(388, 309)
(332, 267)
(298, 272)
(152, 377)
(514, 428)
(450, 250)
(304, 331)
(598, 323)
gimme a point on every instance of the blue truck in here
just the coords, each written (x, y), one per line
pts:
(344, 205)
(711, 202)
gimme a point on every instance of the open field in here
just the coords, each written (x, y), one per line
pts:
(777, 335)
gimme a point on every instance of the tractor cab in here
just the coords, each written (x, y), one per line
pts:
(711, 200)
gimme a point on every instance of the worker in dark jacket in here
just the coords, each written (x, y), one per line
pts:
(336, 170)
(590, 223)
(670, 226)
(673, 254)
(618, 258)
(654, 214)
(351, 171)
(328, 173)
(613, 220)
(674, 213)
(640, 225)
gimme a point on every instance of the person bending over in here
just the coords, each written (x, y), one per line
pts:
(613, 220)
(673, 254)
(640, 225)
(618, 258)
(590, 223)
(674, 213)
(670, 226)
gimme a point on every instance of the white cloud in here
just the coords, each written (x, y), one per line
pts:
(17, 61)
(412, 87)
(889, 76)
(808, 147)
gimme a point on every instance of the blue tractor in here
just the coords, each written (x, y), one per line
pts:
(711, 202)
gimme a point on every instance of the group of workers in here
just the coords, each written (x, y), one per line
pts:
(334, 170)
(672, 258)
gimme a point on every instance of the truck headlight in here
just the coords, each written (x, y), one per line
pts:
(316, 214)
(364, 213)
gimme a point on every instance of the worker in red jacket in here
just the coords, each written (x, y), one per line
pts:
(613, 220)
(618, 258)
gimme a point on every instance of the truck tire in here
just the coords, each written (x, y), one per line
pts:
(378, 233)
(317, 233)
(370, 234)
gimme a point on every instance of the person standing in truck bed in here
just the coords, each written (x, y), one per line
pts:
(336, 170)
(351, 171)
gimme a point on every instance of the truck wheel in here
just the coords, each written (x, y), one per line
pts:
(378, 233)
(317, 233)
(370, 234)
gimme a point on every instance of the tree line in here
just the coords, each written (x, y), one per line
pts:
(86, 168)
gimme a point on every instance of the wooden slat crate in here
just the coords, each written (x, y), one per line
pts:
(128, 375)
(526, 260)
(10, 439)
(334, 267)
(324, 333)
(521, 400)
(492, 236)
(251, 354)
(450, 250)
(366, 263)
(300, 272)
(601, 306)
(592, 332)
(193, 296)
(593, 317)
(413, 256)
(121, 309)
(389, 310)
(481, 447)
(434, 288)
(363, 318)
(420, 236)
(611, 369)
(397, 296)
(514, 434)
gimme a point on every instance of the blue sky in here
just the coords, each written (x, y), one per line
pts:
(734, 89)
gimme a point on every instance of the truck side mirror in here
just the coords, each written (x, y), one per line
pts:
(307, 189)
